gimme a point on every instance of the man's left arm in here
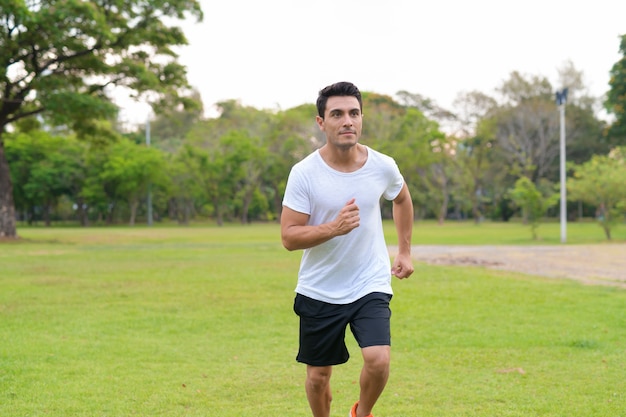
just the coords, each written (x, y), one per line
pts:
(403, 218)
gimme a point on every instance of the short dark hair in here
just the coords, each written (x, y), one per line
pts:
(342, 88)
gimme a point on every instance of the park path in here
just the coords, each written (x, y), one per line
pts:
(601, 264)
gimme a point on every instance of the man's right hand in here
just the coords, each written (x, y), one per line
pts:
(296, 233)
(348, 218)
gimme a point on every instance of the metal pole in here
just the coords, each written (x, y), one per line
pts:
(563, 186)
(149, 202)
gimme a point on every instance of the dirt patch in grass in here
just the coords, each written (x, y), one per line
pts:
(590, 264)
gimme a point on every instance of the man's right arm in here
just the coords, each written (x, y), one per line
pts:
(297, 234)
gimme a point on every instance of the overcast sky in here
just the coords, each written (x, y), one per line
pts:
(277, 54)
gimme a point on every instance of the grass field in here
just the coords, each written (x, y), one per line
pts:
(198, 321)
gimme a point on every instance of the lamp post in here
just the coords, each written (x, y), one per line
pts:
(561, 99)
(149, 202)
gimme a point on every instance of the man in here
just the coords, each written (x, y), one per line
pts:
(331, 209)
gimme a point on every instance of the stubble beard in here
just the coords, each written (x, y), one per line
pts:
(343, 145)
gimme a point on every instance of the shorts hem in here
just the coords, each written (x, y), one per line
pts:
(314, 363)
(383, 343)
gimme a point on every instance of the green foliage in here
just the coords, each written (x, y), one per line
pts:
(528, 137)
(121, 173)
(60, 59)
(533, 202)
(519, 88)
(169, 129)
(422, 152)
(250, 152)
(46, 167)
(616, 98)
(475, 173)
(188, 170)
(69, 52)
(381, 115)
(600, 182)
(130, 169)
(585, 137)
(234, 167)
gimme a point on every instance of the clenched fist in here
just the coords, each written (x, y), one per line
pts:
(348, 218)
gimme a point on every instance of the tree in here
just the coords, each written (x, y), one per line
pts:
(383, 115)
(474, 150)
(616, 98)
(600, 182)
(428, 107)
(584, 130)
(187, 170)
(527, 128)
(252, 159)
(533, 201)
(131, 168)
(227, 172)
(97, 194)
(421, 151)
(169, 128)
(250, 154)
(294, 135)
(46, 167)
(60, 58)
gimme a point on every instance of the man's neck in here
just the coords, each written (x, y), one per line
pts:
(344, 159)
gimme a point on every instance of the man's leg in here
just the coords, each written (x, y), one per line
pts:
(374, 376)
(318, 389)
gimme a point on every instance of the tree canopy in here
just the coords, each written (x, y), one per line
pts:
(600, 182)
(60, 59)
(616, 98)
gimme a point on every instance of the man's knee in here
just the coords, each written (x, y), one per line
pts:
(377, 358)
(318, 377)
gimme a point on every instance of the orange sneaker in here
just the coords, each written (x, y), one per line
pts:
(353, 410)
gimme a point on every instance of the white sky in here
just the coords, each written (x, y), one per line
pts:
(273, 54)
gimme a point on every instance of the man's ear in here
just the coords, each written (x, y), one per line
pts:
(320, 122)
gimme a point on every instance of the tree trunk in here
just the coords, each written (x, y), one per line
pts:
(278, 203)
(218, 212)
(7, 205)
(172, 210)
(247, 200)
(46, 214)
(188, 207)
(109, 220)
(476, 209)
(134, 203)
(443, 210)
(81, 212)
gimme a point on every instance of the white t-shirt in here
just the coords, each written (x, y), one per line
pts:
(344, 268)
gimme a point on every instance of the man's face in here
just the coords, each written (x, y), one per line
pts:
(342, 121)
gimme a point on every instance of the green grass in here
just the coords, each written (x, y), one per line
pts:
(510, 233)
(172, 321)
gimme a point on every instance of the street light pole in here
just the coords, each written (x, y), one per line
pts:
(149, 202)
(561, 99)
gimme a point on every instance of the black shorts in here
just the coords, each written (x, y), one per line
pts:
(323, 327)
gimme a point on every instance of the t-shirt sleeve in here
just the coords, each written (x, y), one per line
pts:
(396, 183)
(296, 197)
